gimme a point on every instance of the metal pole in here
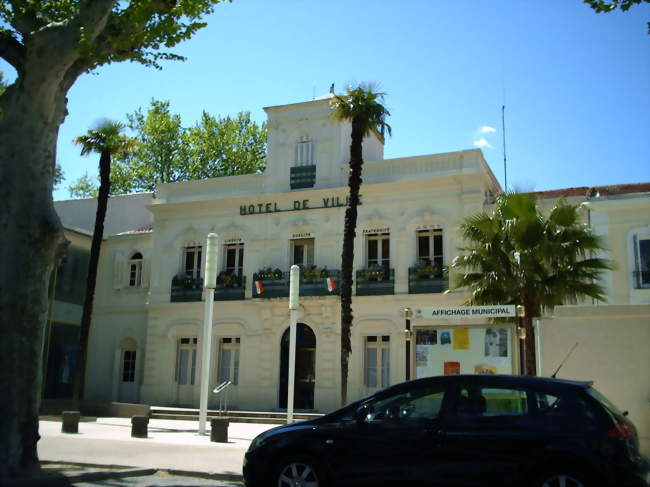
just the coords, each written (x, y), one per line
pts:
(408, 314)
(205, 363)
(209, 284)
(294, 294)
(538, 347)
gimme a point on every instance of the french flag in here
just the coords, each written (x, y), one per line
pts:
(331, 285)
(259, 287)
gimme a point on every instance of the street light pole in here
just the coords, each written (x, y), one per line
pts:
(294, 294)
(209, 284)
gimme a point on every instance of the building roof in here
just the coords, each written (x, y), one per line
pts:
(147, 229)
(594, 191)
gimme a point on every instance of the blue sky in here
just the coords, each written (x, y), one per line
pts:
(576, 84)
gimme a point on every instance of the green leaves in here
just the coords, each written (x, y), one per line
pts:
(106, 137)
(362, 105)
(84, 187)
(518, 255)
(607, 6)
(137, 30)
(166, 152)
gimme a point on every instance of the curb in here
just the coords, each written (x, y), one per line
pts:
(56, 480)
(232, 477)
(115, 472)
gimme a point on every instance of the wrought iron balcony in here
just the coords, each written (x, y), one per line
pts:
(302, 177)
(375, 282)
(185, 289)
(275, 284)
(230, 288)
(641, 279)
(422, 283)
(314, 283)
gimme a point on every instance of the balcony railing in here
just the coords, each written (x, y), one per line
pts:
(315, 284)
(420, 283)
(185, 289)
(641, 279)
(375, 282)
(276, 284)
(230, 288)
(302, 177)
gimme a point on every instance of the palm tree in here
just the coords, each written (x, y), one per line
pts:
(520, 256)
(107, 140)
(363, 107)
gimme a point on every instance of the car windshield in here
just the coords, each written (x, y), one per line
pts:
(604, 401)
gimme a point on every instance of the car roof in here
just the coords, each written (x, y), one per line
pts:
(520, 380)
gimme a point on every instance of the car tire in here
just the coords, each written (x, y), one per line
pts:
(562, 476)
(303, 469)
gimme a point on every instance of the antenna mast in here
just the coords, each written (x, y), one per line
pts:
(503, 131)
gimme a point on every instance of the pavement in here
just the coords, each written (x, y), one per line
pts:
(173, 447)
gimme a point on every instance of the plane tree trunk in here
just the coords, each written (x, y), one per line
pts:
(32, 240)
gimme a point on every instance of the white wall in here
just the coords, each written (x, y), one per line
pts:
(613, 351)
(124, 213)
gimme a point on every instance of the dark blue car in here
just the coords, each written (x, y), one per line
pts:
(457, 430)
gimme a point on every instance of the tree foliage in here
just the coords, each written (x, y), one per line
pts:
(84, 187)
(609, 5)
(58, 175)
(363, 107)
(167, 152)
(225, 146)
(106, 31)
(601, 6)
(517, 255)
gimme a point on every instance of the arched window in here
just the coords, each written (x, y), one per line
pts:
(135, 270)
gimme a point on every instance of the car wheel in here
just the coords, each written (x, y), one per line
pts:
(300, 472)
(562, 477)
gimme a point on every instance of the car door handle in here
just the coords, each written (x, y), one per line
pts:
(329, 442)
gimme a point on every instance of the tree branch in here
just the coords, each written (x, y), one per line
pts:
(12, 51)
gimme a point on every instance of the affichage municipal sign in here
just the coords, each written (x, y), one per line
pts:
(451, 312)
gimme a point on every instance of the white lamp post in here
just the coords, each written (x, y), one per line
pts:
(294, 293)
(209, 283)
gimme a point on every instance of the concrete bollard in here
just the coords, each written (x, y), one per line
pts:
(219, 430)
(70, 421)
(139, 426)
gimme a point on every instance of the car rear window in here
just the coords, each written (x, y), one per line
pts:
(604, 401)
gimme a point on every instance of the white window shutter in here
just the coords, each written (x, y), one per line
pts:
(119, 271)
(146, 266)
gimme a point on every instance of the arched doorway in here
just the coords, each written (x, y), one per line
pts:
(303, 397)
